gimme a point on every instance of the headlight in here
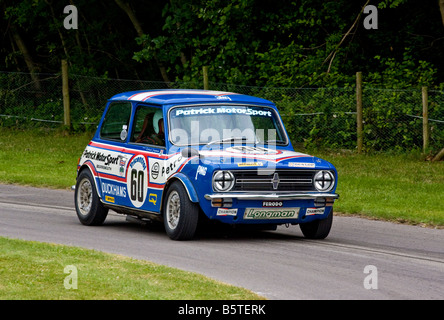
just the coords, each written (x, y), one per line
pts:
(223, 181)
(324, 181)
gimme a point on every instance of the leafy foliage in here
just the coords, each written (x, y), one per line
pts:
(258, 43)
(247, 42)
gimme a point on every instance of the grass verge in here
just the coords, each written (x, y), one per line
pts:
(36, 271)
(397, 187)
(41, 158)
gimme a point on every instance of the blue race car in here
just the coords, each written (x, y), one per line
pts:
(179, 155)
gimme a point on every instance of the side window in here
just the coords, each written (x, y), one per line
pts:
(148, 126)
(116, 121)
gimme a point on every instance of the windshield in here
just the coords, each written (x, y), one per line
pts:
(225, 124)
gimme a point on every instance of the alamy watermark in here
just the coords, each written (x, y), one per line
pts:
(371, 281)
(71, 279)
(371, 21)
(71, 20)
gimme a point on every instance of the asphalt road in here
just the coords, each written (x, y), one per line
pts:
(407, 261)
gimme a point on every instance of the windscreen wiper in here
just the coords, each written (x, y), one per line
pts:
(231, 139)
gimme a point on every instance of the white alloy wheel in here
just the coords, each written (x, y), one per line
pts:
(84, 196)
(180, 215)
(90, 210)
(173, 210)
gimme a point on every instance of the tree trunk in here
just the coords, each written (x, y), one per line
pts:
(28, 58)
(441, 8)
(125, 7)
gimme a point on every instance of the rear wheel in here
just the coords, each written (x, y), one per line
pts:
(90, 210)
(180, 214)
(317, 229)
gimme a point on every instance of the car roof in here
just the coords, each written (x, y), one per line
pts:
(183, 96)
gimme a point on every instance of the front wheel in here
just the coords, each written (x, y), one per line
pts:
(317, 229)
(180, 214)
(90, 210)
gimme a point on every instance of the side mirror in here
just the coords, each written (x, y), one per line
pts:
(190, 152)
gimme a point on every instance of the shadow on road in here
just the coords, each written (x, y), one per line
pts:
(207, 230)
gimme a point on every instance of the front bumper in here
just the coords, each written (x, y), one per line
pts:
(225, 199)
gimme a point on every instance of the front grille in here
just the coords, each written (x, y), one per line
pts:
(274, 180)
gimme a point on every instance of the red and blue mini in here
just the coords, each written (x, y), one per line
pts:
(179, 156)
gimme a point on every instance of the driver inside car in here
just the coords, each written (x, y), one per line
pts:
(152, 130)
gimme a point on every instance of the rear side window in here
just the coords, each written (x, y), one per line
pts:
(116, 122)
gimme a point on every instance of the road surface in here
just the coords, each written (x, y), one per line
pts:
(361, 259)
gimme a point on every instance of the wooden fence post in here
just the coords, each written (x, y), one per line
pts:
(425, 119)
(205, 77)
(65, 92)
(359, 111)
(439, 156)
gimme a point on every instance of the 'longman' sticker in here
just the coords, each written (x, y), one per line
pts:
(271, 213)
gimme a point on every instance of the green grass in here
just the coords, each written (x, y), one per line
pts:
(42, 158)
(402, 188)
(36, 271)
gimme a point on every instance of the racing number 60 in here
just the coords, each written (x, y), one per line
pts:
(137, 179)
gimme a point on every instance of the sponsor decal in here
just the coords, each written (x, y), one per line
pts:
(223, 98)
(152, 198)
(161, 170)
(124, 133)
(226, 212)
(313, 211)
(301, 165)
(107, 159)
(122, 164)
(171, 165)
(271, 213)
(200, 170)
(114, 190)
(272, 204)
(155, 170)
(109, 162)
(252, 150)
(109, 199)
(221, 110)
(99, 166)
(250, 164)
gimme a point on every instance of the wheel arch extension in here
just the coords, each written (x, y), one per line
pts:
(90, 167)
(192, 194)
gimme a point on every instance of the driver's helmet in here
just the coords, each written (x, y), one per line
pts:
(157, 116)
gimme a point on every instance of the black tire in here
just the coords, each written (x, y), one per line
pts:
(180, 215)
(318, 229)
(90, 210)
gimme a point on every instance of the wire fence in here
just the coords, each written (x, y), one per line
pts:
(314, 118)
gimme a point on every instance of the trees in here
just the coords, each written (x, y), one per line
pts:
(298, 43)
(101, 46)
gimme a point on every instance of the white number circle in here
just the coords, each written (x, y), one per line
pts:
(136, 180)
